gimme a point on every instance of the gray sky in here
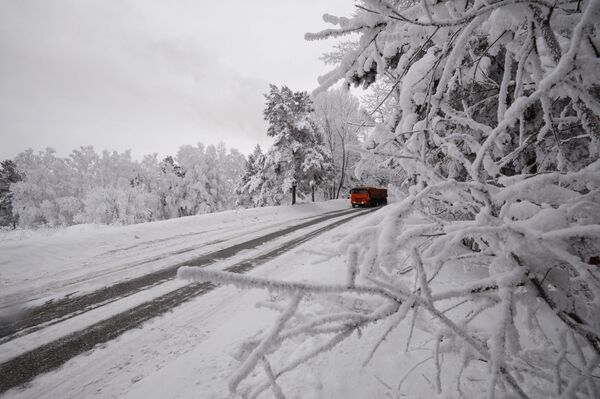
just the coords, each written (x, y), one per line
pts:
(150, 75)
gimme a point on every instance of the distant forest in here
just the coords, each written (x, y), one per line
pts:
(311, 154)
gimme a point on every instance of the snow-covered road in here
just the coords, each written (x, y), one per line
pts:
(128, 281)
(57, 310)
(38, 266)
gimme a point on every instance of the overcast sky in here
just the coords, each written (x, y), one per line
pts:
(150, 75)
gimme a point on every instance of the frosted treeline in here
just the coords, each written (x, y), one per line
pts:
(488, 265)
(112, 188)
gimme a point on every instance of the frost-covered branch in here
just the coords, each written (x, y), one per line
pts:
(488, 262)
(198, 274)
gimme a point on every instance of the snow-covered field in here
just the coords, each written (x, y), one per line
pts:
(190, 351)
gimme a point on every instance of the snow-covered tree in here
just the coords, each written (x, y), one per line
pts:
(120, 193)
(231, 164)
(316, 167)
(297, 157)
(488, 268)
(248, 187)
(46, 194)
(169, 190)
(297, 149)
(209, 177)
(84, 163)
(340, 120)
(113, 188)
(379, 107)
(380, 101)
(8, 175)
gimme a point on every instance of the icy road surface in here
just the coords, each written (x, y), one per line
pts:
(95, 284)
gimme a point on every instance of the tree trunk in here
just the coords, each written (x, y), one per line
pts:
(343, 167)
(343, 171)
(313, 193)
(293, 194)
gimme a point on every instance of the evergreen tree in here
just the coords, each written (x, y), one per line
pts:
(8, 175)
(297, 156)
(246, 189)
(169, 188)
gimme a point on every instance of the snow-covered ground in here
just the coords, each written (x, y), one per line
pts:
(36, 266)
(193, 350)
(189, 352)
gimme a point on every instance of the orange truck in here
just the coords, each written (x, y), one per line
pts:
(368, 196)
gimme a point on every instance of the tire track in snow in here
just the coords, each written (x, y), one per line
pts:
(27, 366)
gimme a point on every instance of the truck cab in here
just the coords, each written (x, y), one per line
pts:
(368, 196)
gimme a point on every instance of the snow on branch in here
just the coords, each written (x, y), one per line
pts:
(488, 129)
(260, 351)
(198, 274)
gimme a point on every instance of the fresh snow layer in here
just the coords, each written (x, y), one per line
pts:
(78, 322)
(36, 266)
(189, 352)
